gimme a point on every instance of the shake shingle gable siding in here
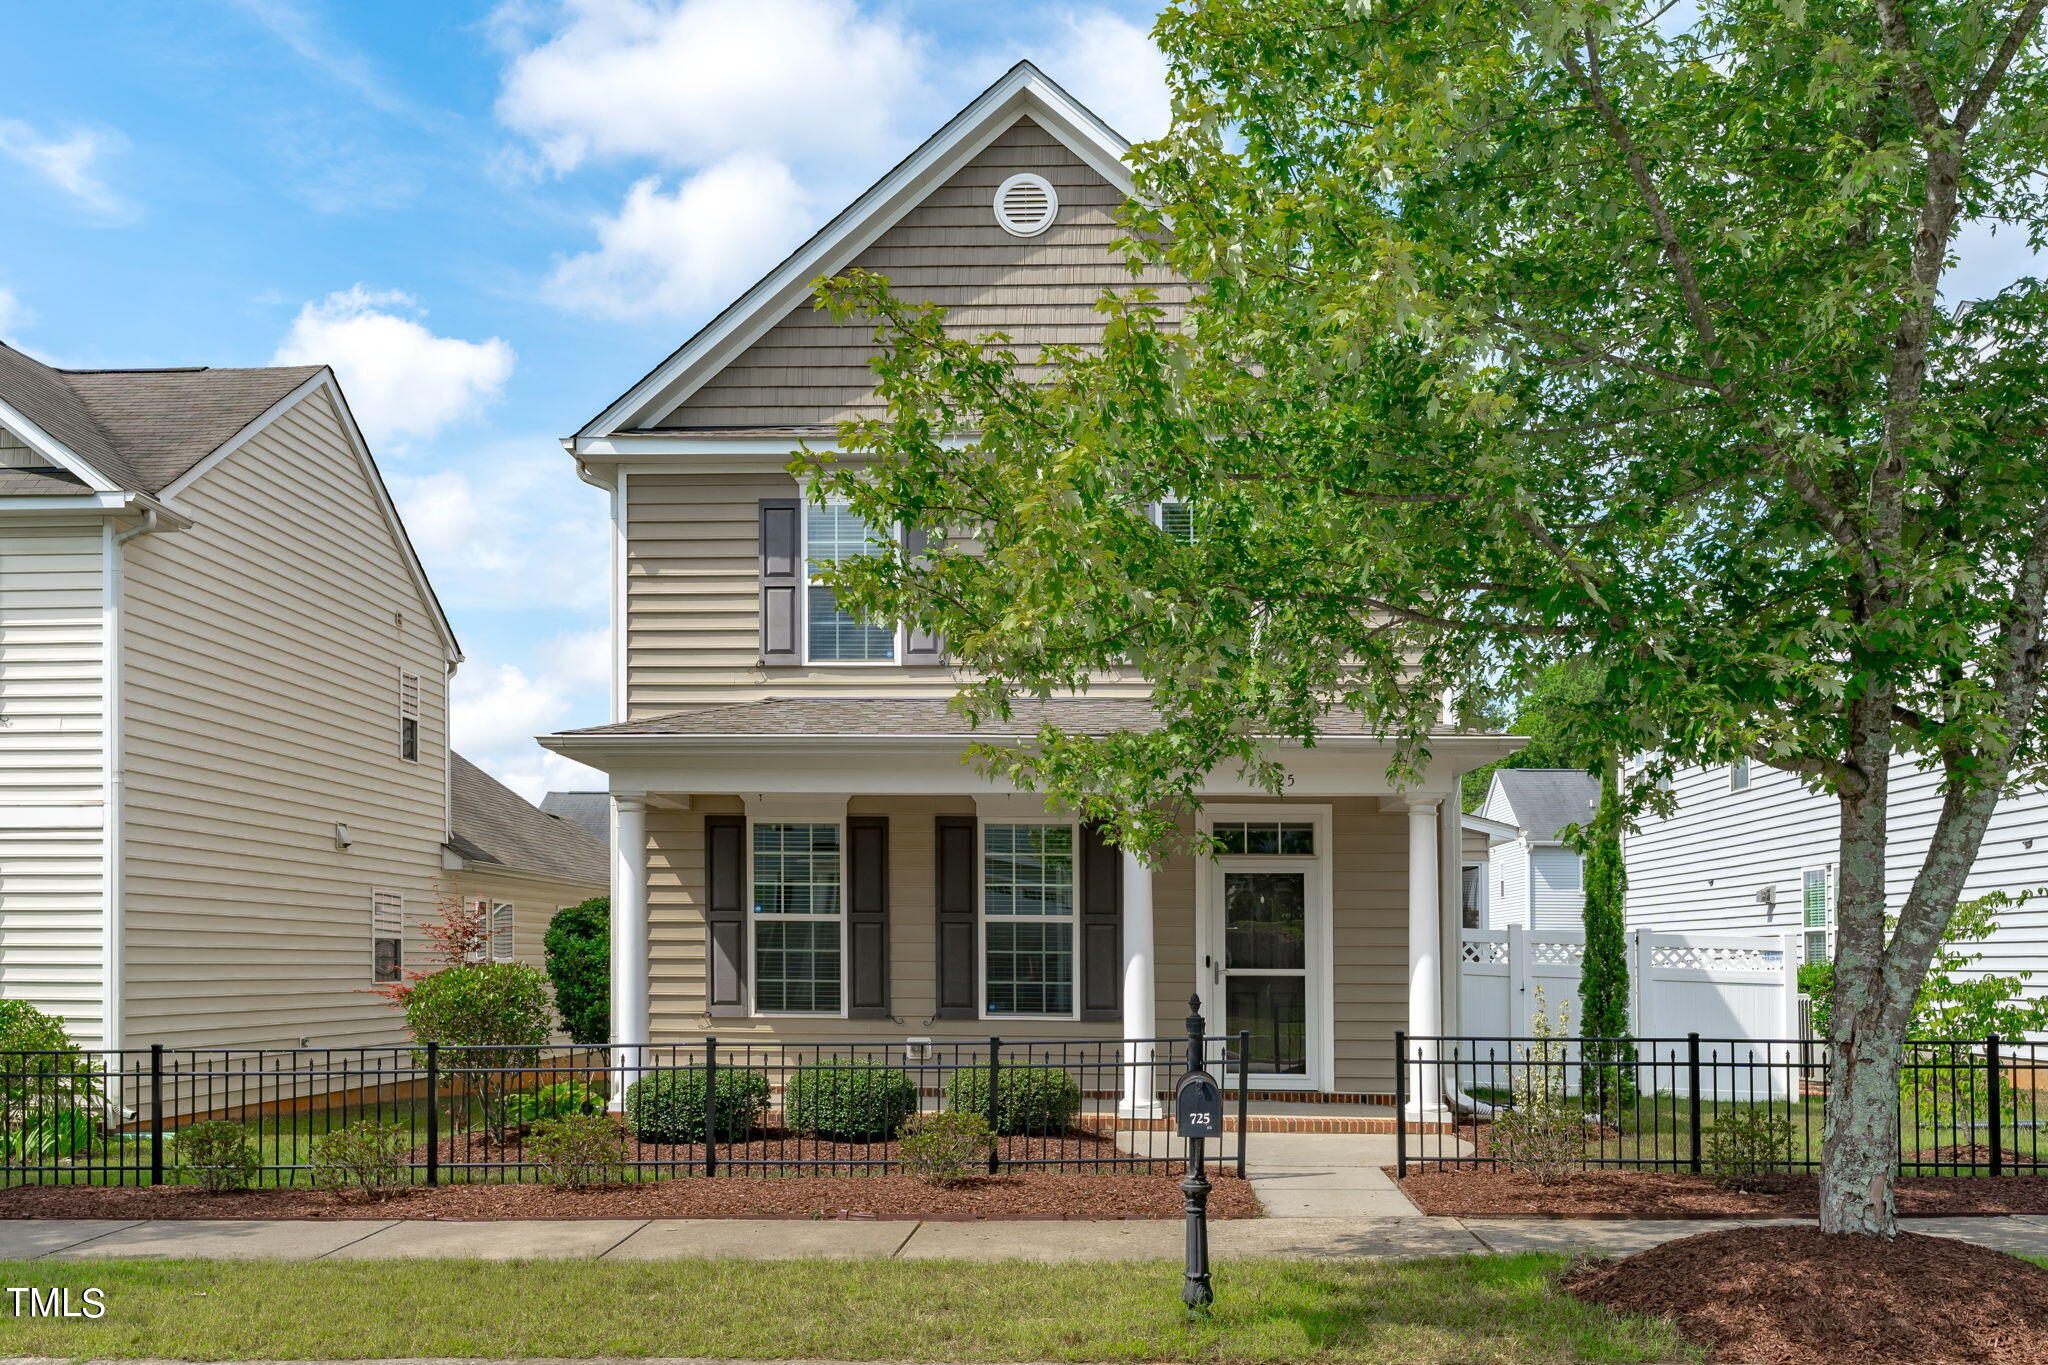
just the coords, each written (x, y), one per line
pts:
(810, 372)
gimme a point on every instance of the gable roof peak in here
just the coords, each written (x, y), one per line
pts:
(1024, 91)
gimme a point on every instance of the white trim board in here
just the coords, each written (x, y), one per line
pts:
(1023, 90)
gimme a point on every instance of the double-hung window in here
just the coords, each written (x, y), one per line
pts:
(799, 918)
(387, 937)
(832, 634)
(409, 717)
(1817, 912)
(1738, 775)
(1028, 886)
(1176, 518)
(503, 945)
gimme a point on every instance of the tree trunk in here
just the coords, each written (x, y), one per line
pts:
(1860, 1152)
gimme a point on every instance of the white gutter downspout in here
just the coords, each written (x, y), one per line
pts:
(114, 948)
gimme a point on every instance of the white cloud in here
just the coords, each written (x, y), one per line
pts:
(495, 713)
(683, 82)
(522, 533)
(69, 162)
(401, 380)
(1110, 64)
(14, 314)
(673, 253)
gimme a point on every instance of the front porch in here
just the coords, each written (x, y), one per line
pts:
(792, 870)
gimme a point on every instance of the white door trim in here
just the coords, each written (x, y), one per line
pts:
(1321, 974)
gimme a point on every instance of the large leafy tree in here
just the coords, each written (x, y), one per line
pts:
(1522, 331)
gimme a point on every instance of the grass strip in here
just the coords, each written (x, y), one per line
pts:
(1500, 1310)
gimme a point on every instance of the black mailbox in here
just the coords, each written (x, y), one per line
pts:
(1197, 1106)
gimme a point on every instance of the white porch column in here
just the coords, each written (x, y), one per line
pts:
(629, 939)
(1140, 1000)
(1425, 939)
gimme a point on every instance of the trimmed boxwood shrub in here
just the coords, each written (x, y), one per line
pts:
(1030, 1099)
(852, 1101)
(668, 1106)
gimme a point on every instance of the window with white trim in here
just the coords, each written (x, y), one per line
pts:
(387, 937)
(799, 917)
(832, 634)
(1176, 518)
(1817, 913)
(502, 943)
(1028, 893)
(1738, 775)
(409, 717)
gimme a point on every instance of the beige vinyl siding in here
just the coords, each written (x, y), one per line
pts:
(262, 656)
(53, 734)
(534, 901)
(810, 370)
(1369, 969)
(693, 604)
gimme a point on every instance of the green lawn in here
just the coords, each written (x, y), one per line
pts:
(1500, 1310)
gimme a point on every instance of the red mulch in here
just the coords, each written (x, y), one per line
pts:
(1793, 1296)
(1976, 1154)
(775, 1152)
(1666, 1194)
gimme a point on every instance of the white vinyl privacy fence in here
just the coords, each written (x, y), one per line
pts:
(1741, 992)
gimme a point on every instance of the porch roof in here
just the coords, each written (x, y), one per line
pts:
(921, 717)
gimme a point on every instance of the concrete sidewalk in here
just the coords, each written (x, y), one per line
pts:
(1314, 1238)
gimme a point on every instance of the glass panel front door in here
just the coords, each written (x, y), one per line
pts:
(1265, 966)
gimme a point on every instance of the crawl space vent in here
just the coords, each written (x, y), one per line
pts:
(1026, 204)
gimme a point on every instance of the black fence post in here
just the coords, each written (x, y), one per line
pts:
(1995, 1107)
(156, 1113)
(1692, 1094)
(711, 1104)
(995, 1148)
(1401, 1102)
(433, 1113)
(1244, 1087)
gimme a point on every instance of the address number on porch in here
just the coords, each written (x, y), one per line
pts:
(1197, 1106)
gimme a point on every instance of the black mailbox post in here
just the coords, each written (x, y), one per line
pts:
(1197, 1116)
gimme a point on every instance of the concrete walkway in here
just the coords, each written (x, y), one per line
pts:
(1312, 1238)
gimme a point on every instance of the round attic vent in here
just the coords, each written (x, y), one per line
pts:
(1026, 205)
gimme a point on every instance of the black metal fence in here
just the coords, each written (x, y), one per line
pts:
(1966, 1106)
(717, 1107)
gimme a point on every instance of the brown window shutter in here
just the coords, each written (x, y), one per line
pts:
(725, 915)
(867, 916)
(1101, 928)
(920, 646)
(959, 965)
(782, 579)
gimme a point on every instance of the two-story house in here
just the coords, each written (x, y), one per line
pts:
(225, 797)
(800, 851)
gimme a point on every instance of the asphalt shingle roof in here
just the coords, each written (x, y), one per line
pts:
(142, 428)
(1545, 800)
(825, 717)
(494, 824)
(592, 810)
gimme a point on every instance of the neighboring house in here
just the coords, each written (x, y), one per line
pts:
(1534, 879)
(1481, 834)
(802, 854)
(1750, 848)
(223, 705)
(592, 810)
(517, 863)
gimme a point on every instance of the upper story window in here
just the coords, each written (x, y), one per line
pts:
(409, 717)
(833, 635)
(1738, 775)
(1176, 518)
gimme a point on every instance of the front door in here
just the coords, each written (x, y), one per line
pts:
(1264, 942)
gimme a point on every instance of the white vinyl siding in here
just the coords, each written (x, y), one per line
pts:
(53, 738)
(1701, 868)
(1557, 895)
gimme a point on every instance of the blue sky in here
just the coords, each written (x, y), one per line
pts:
(490, 218)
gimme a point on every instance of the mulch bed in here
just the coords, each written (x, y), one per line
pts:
(772, 1189)
(1666, 1194)
(1034, 1196)
(1780, 1296)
